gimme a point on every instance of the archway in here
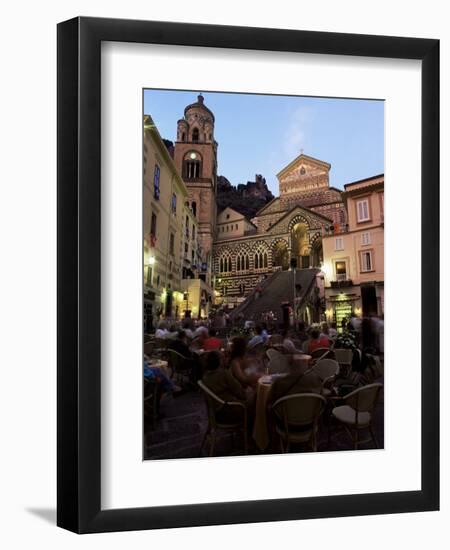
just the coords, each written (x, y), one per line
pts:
(280, 255)
(300, 245)
(317, 253)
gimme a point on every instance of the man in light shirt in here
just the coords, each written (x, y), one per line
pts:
(161, 331)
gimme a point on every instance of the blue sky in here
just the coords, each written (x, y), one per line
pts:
(261, 134)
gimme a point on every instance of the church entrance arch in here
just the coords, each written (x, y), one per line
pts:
(316, 252)
(300, 248)
(280, 255)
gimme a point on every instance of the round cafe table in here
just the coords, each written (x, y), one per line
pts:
(260, 429)
(301, 360)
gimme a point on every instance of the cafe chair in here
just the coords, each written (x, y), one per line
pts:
(326, 370)
(297, 419)
(160, 347)
(149, 348)
(152, 395)
(276, 339)
(218, 410)
(322, 353)
(343, 356)
(180, 365)
(356, 413)
(278, 362)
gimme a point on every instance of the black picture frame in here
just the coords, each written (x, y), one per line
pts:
(79, 283)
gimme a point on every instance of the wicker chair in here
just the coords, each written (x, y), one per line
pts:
(326, 370)
(278, 362)
(152, 395)
(180, 366)
(297, 419)
(217, 405)
(356, 413)
(322, 353)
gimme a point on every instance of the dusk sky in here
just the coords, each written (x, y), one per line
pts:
(261, 134)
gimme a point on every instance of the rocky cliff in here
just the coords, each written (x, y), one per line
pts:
(245, 198)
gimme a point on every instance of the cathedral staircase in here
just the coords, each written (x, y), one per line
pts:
(273, 291)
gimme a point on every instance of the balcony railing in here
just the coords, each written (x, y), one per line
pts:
(341, 283)
(336, 229)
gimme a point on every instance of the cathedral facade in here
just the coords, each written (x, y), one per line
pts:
(287, 232)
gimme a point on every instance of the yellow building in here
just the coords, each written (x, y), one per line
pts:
(354, 254)
(171, 254)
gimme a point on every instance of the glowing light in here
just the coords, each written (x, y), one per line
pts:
(151, 260)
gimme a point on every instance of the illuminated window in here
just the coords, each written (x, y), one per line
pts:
(341, 270)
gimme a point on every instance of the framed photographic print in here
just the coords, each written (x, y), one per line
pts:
(247, 329)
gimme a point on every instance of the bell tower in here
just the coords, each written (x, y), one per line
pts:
(195, 157)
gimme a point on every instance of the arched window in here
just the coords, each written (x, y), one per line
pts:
(194, 208)
(265, 259)
(256, 261)
(221, 265)
(195, 135)
(260, 259)
(238, 266)
(192, 165)
(183, 136)
(247, 262)
(230, 267)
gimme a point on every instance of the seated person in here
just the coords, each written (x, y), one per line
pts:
(221, 382)
(300, 379)
(302, 335)
(200, 335)
(288, 344)
(238, 363)
(317, 341)
(155, 373)
(173, 333)
(257, 339)
(332, 332)
(200, 330)
(212, 343)
(187, 327)
(161, 331)
(180, 344)
(264, 333)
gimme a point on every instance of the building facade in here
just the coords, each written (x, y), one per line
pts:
(171, 238)
(287, 231)
(354, 255)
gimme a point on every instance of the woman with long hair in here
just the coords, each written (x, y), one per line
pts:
(238, 365)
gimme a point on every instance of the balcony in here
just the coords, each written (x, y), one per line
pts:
(341, 283)
(337, 229)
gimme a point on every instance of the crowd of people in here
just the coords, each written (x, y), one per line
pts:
(230, 366)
